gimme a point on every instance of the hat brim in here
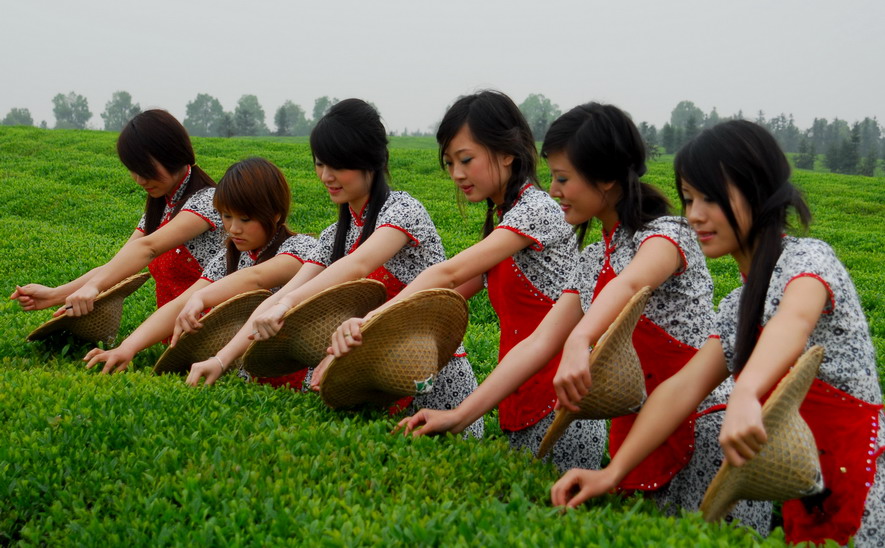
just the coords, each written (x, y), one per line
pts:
(618, 384)
(308, 327)
(403, 349)
(100, 325)
(219, 326)
(788, 465)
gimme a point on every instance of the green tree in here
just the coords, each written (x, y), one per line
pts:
(71, 111)
(539, 112)
(226, 126)
(684, 111)
(712, 119)
(118, 111)
(204, 116)
(869, 163)
(321, 106)
(290, 119)
(249, 117)
(668, 138)
(805, 158)
(18, 117)
(690, 131)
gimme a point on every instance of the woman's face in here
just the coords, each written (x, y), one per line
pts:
(246, 234)
(345, 186)
(715, 234)
(163, 183)
(478, 172)
(579, 199)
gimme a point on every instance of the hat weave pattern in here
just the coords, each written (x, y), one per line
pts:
(618, 384)
(404, 347)
(103, 323)
(219, 327)
(787, 466)
(308, 327)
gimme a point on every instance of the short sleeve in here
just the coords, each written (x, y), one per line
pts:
(536, 216)
(298, 246)
(200, 203)
(321, 253)
(141, 224)
(408, 215)
(813, 259)
(673, 229)
(217, 267)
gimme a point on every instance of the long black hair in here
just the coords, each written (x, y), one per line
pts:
(351, 136)
(745, 155)
(603, 144)
(156, 137)
(257, 189)
(497, 124)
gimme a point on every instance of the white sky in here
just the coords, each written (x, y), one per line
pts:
(412, 58)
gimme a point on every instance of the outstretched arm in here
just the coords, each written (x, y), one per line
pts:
(38, 297)
(780, 345)
(656, 260)
(666, 408)
(132, 257)
(270, 274)
(460, 272)
(523, 361)
(153, 330)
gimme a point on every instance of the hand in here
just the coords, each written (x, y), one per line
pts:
(577, 485)
(742, 434)
(430, 421)
(80, 302)
(188, 320)
(269, 322)
(348, 335)
(115, 360)
(34, 297)
(210, 369)
(572, 380)
(319, 371)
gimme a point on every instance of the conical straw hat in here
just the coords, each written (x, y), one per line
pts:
(100, 325)
(219, 327)
(308, 328)
(403, 349)
(618, 384)
(788, 465)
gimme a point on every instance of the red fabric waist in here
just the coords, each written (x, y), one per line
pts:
(391, 283)
(521, 307)
(174, 271)
(661, 356)
(846, 431)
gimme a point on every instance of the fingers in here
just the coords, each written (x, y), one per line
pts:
(738, 450)
(176, 334)
(93, 357)
(347, 336)
(114, 364)
(319, 372)
(577, 486)
(208, 369)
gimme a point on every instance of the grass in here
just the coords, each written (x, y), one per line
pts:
(138, 459)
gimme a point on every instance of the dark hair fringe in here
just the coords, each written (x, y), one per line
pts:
(156, 137)
(603, 144)
(497, 124)
(745, 155)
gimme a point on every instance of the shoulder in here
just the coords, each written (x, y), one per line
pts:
(668, 226)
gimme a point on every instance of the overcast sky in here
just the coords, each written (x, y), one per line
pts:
(412, 58)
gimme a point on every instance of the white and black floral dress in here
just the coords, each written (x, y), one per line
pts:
(297, 246)
(843, 407)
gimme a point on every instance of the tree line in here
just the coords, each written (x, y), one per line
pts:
(846, 148)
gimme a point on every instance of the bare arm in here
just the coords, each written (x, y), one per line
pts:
(780, 345)
(134, 256)
(523, 361)
(39, 297)
(153, 330)
(270, 274)
(666, 408)
(655, 261)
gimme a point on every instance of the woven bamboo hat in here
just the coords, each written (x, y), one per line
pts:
(788, 465)
(404, 347)
(618, 382)
(219, 326)
(308, 327)
(100, 325)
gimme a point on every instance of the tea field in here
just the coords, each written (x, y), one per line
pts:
(136, 459)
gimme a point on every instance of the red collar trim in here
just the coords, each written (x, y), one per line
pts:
(358, 217)
(607, 237)
(254, 254)
(171, 202)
